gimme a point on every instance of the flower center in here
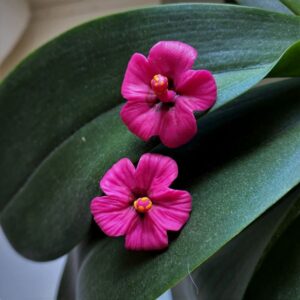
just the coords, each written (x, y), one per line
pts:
(159, 84)
(142, 205)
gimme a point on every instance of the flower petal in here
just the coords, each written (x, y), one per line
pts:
(144, 234)
(112, 215)
(178, 125)
(141, 118)
(119, 180)
(154, 173)
(136, 83)
(171, 58)
(171, 208)
(198, 89)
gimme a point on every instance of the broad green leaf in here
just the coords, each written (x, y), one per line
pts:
(72, 85)
(279, 275)
(244, 160)
(227, 273)
(273, 5)
(54, 204)
(293, 5)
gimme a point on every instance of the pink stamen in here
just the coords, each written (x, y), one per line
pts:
(159, 84)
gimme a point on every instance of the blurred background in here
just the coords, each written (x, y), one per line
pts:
(27, 24)
(24, 26)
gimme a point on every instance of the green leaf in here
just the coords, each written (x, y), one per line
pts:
(279, 275)
(273, 5)
(226, 275)
(56, 198)
(286, 64)
(72, 84)
(293, 5)
(244, 160)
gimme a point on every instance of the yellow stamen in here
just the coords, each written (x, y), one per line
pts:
(159, 84)
(142, 204)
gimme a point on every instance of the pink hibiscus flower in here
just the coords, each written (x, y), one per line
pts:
(162, 92)
(139, 203)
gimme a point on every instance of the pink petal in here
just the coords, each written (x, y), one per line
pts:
(112, 215)
(171, 208)
(171, 58)
(178, 125)
(144, 234)
(119, 180)
(198, 89)
(136, 83)
(141, 118)
(154, 173)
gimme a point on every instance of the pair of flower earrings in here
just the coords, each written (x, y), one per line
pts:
(162, 93)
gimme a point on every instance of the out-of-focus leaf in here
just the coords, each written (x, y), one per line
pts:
(279, 275)
(67, 288)
(226, 274)
(293, 5)
(76, 77)
(68, 282)
(244, 160)
(273, 5)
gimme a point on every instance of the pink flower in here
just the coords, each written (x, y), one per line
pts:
(162, 93)
(139, 203)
